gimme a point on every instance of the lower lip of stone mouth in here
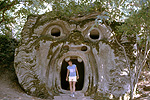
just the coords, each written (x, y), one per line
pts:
(79, 59)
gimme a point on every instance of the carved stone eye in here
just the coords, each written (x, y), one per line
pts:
(94, 34)
(55, 32)
(83, 48)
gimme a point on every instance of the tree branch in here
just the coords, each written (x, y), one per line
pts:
(5, 9)
(3, 17)
(144, 60)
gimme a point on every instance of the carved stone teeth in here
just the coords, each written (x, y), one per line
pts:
(67, 59)
(79, 59)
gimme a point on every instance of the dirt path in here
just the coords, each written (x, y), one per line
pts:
(9, 87)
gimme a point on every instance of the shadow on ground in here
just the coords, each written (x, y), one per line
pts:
(10, 88)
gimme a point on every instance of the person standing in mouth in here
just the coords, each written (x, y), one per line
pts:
(73, 74)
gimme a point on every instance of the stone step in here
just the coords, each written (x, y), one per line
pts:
(70, 98)
(79, 96)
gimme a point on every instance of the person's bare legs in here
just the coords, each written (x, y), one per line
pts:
(74, 86)
(70, 86)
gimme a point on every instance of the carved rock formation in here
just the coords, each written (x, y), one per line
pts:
(48, 42)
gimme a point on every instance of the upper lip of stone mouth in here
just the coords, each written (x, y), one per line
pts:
(79, 59)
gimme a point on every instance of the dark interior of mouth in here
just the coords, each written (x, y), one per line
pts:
(63, 73)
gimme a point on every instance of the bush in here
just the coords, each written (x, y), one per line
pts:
(7, 50)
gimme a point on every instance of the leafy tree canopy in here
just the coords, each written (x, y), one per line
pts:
(13, 13)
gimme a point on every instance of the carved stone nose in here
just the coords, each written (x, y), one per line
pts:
(77, 48)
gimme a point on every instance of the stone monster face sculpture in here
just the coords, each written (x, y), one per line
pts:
(49, 42)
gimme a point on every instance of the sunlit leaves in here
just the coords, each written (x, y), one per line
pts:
(117, 10)
(14, 12)
(139, 25)
(74, 8)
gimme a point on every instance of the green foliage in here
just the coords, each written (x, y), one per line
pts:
(13, 14)
(76, 8)
(7, 50)
(139, 25)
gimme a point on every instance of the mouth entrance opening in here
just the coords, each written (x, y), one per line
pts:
(63, 73)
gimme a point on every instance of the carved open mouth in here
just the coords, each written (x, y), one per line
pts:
(56, 72)
(80, 60)
(49, 42)
(80, 66)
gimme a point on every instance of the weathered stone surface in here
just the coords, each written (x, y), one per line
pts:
(78, 96)
(48, 42)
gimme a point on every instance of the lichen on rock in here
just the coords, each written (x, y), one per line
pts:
(48, 42)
